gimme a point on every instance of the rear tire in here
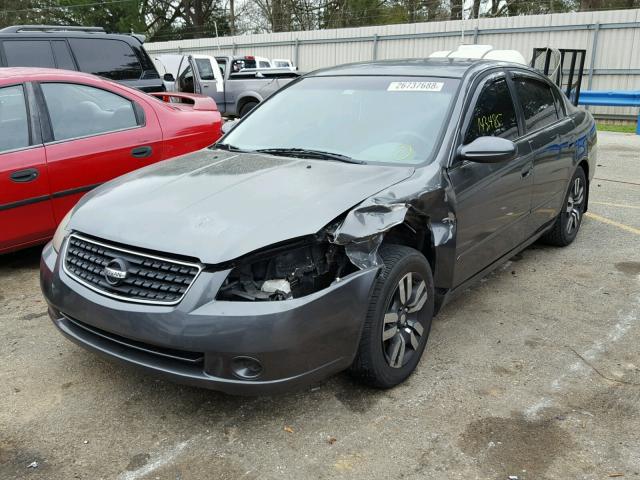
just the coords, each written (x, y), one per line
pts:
(567, 223)
(247, 107)
(398, 320)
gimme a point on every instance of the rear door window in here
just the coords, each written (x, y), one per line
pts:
(62, 55)
(14, 124)
(494, 114)
(537, 102)
(112, 59)
(28, 53)
(79, 110)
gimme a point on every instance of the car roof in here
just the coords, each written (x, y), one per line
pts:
(423, 67)
(8, 33)
(32, 73)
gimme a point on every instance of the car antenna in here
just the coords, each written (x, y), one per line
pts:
(215, 25)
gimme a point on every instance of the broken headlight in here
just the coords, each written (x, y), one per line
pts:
(289, 271)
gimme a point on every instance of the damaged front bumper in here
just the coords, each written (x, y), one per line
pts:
(197, 342)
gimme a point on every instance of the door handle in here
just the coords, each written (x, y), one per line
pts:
(26, 175)
(527, 172)
(141, 152)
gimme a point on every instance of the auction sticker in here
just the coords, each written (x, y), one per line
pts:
(415, 86)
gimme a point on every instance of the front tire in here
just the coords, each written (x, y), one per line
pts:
(567, 223)
(398, 320)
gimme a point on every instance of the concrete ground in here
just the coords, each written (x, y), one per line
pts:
(533, 373)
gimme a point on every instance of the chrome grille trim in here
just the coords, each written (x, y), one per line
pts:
(116, 296)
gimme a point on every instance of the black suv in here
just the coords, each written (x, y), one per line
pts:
(86, 49)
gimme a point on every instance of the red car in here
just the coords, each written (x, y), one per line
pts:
(63, 133)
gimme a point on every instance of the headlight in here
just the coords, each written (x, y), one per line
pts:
(61, 232)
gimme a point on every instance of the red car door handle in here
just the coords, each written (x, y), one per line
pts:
(26, 175)
(141, 152)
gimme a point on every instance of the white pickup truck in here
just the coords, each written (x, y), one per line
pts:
(235, 88)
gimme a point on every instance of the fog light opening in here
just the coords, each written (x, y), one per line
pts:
(246, 368)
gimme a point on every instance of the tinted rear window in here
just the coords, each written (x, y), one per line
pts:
(112, 59)
(63, 55)
(28, 53)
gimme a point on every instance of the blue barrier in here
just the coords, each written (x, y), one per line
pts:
(615, 98)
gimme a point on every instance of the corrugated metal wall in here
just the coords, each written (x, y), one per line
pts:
(616, 34)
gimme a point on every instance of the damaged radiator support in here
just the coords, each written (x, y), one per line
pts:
(289, 273)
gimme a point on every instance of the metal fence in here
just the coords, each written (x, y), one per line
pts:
(611, 38)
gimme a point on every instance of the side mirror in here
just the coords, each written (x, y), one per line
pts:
(168, 77)
(228, 126)
(488, 150)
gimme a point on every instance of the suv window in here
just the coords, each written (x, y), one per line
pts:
(63, 55)
(537, 102)
(14, 124)
(112, 59)
(80, 111)
(28, 53)
(494, 114)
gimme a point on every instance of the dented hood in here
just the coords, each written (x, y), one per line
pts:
(216, 205)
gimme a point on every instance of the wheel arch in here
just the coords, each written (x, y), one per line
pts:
(420, 239)
(584, 164)
(249, 97)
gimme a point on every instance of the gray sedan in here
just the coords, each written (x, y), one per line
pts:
(326, 229)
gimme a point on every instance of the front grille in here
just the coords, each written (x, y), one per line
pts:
(149, 279)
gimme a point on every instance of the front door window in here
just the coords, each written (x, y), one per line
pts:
(494, 114)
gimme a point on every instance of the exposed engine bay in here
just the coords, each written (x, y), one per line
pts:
(291, 271)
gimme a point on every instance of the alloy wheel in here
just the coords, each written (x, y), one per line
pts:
(401, 329)
(575, 205)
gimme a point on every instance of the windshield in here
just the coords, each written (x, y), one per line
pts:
(370, 119)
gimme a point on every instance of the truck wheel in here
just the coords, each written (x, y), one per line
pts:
(398, 320)
(247, 107)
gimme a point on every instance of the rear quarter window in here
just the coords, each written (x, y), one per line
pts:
(108, 58)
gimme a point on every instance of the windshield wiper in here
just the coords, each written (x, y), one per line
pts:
(310, 153)
(229, 147)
